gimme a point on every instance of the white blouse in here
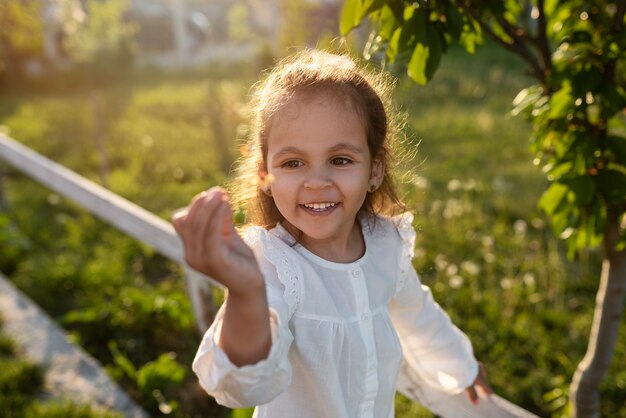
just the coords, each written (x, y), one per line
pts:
(340, 331)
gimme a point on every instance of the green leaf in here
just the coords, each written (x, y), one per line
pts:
(122, 361)
(413, 30)
(598, 222)
(612, 185)
(454, 22)
(469, 40)
(617, 144)
(526, 99)
(417, 65)
(552, 198)
(423, 39)
(435, 51)
(354, 11)
(561, 102)
(348, 20)
(583, 189)
(384, 23)
(392, 49)
(164, 372)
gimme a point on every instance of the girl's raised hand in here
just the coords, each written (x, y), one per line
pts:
(213, 246)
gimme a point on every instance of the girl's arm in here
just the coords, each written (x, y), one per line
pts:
(213, 247)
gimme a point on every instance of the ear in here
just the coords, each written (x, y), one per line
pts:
(378, 172)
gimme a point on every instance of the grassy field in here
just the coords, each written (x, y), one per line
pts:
(158, 139)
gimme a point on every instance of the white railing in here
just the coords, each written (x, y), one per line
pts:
(117, 211)
(159, 234)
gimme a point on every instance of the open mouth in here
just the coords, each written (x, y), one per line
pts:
(319, 207)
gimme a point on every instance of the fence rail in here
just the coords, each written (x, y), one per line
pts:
(158, 233)
(117, 211)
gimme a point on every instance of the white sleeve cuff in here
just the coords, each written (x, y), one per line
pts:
(249, 385)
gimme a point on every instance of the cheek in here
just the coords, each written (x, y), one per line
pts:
(284, 188)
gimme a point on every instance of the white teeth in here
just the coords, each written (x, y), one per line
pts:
(319, 206)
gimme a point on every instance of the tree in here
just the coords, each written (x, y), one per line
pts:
(20, 30)
(99, 38)
(576, 53)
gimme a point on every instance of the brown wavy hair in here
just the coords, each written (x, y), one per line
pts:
(308, 73)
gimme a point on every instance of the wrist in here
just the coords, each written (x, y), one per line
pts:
(248, 290)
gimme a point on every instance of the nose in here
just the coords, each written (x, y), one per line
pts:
(317, 179)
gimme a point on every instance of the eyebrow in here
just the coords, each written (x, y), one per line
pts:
(343, 146)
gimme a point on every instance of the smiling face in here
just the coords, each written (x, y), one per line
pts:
(318, 155)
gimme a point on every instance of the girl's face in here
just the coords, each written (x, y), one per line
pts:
(318, 155)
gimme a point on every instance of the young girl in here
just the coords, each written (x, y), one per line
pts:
(323, 302)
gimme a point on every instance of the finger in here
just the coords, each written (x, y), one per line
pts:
(178, 218)
(226, 217)
(482, 381)
(472, 395)
(203, 210)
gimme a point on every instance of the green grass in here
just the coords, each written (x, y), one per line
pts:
(20, 386)
(482, 247)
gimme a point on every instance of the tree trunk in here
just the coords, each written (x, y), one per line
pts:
(98, 135)
(584, 392)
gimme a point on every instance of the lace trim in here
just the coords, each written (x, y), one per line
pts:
(404, 225)
(287, 269)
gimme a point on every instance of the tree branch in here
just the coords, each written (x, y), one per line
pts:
(618, 19)
(542, 37)
(516, 46)
(618, 24)
(519, 38)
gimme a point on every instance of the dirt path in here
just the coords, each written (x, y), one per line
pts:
(71, 373)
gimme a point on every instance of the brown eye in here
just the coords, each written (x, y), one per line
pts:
(341, 161)
(291, 164)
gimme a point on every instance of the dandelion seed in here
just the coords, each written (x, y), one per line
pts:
(435, 207)
(454, 209)
(470, 267)
(454, 185)
(529, 279)
(452, 270)
(506, 283)
(538, 223)
(455, 282)
(470, 185)
(54, 199)
(244, 150)
(520, 226)
(420, 253)
(420, 182)
(440, 262)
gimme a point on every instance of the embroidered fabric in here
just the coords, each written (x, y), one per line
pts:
(287, 269)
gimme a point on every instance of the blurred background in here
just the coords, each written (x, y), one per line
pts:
(148, 98)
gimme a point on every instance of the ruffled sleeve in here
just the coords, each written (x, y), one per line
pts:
(256, 384)
(433, 347)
